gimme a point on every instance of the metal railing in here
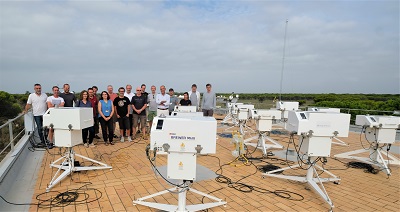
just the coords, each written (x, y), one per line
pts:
(9, 138)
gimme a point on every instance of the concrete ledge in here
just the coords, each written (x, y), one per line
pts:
(18, 174)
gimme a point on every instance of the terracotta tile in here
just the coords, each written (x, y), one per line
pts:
(132, 177)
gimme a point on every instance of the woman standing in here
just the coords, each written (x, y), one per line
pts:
(106, 111)
(84, 102)
(185, 101)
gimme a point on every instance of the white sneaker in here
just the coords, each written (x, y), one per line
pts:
(86, 145)
(92, 145)
(129, 139)
(122, 139)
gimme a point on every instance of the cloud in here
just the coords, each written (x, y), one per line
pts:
(235, 45)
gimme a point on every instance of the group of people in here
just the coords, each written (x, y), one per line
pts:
(129, 109)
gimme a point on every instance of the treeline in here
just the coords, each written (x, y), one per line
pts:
(383, 102)
(11, 105)
(314, 97)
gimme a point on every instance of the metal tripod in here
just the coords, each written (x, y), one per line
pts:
(375, 157)
(68, 166)
(261, 144)
(181, 207)
(310, 179)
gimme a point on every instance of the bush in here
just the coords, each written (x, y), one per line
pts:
(9, 106)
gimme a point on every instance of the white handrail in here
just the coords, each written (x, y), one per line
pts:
(9, 123)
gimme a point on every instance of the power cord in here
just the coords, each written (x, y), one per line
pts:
(367, 167)
(112, 152)
(64, 198)
(154, 167)
(40, 146)
(246, 188)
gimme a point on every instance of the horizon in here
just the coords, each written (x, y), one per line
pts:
(228, 93)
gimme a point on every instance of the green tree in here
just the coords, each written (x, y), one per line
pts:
(9, 106)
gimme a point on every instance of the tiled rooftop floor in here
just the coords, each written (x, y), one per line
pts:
(131, 177)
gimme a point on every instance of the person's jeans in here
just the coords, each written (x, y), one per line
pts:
(107, 126)
(208, 112)
(96, 124)
(85, 132)
(39, 124)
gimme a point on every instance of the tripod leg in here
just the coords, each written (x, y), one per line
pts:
(383, 162)
(322, 192)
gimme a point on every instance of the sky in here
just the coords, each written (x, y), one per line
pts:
(291, 46)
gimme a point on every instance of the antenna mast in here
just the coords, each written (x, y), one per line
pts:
(283, 61)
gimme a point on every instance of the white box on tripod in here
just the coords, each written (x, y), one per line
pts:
(68, 124)
(180, 108)
(381, 129)
(264, 118)
(76, 117)
(320, 123)
(181, 165)
(183, 134)
(316, 146)
(243, 113)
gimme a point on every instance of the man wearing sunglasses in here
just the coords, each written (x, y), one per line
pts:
(139, 104)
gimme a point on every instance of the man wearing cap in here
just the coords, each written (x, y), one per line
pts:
(173, 99)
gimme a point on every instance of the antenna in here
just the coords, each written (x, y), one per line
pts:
(283, 61)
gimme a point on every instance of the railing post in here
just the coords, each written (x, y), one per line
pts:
(10, 130)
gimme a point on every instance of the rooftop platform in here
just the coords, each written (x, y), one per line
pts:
(131, 177)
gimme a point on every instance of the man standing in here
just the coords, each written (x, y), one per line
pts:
(129, 94)
(95, 89)
(96, 119)
(113, 95)
(110, 91)
(38, 103)
(194, 96)
(122, 105)
(151, 100)
(173, 99)
(208, 102)
(69, 98)
(139, 104)
(162, 101)
(94, 101)
(144, 94)
(54, 101)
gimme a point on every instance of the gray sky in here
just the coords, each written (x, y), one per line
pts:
(237, 46)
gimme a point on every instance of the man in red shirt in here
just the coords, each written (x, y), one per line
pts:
(93, 100)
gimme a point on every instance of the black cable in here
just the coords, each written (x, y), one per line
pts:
(155, 168)
(40, 146)
(249, 155)
(64, 198)
(246, 188)
(345, 164)
(367, 167)
(112, 152)
(268, 168)
(364, 129)
(376, 149)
